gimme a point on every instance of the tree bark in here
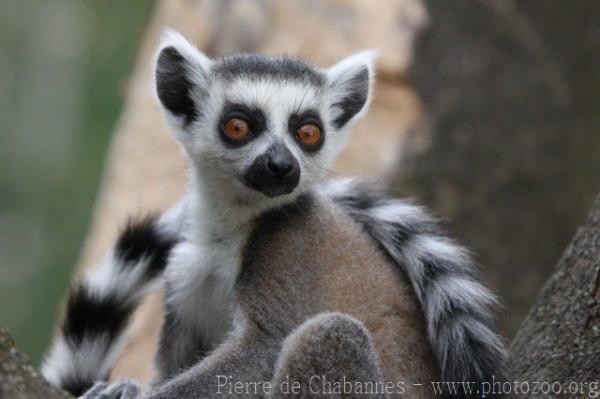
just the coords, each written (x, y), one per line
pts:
(560, 338)
(18, 378)
(508, 149)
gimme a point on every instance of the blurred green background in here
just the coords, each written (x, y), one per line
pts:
(63, 72)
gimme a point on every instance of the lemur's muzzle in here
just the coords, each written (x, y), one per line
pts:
(274, 173)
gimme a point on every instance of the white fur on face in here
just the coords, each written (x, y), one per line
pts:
(278, 100)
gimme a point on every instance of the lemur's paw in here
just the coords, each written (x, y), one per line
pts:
(123, 389)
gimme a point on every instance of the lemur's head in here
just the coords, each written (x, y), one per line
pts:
(260, 127)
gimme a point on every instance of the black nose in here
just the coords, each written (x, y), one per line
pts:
(279, 165)
(275, 172)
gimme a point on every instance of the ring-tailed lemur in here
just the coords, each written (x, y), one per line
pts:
(270, 270)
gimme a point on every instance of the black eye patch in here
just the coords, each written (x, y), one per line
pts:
(254, 116)
(299, 119)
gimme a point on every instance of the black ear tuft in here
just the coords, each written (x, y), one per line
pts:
(355, 98)
(174, 86)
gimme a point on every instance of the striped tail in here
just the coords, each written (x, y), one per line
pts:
(456, 304)
(100, 305)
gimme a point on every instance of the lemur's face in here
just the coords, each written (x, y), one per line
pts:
(260, 127)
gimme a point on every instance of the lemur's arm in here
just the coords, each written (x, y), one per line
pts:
(100, 305)
(246, 357)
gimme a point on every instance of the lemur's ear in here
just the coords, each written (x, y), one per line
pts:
(349, 86)
(181, 76)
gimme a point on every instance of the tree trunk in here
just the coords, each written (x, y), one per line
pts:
(559, 340)
(18, 378)
(509, 149)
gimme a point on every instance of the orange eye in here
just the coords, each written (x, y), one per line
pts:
(236, 129)
(309, 134)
